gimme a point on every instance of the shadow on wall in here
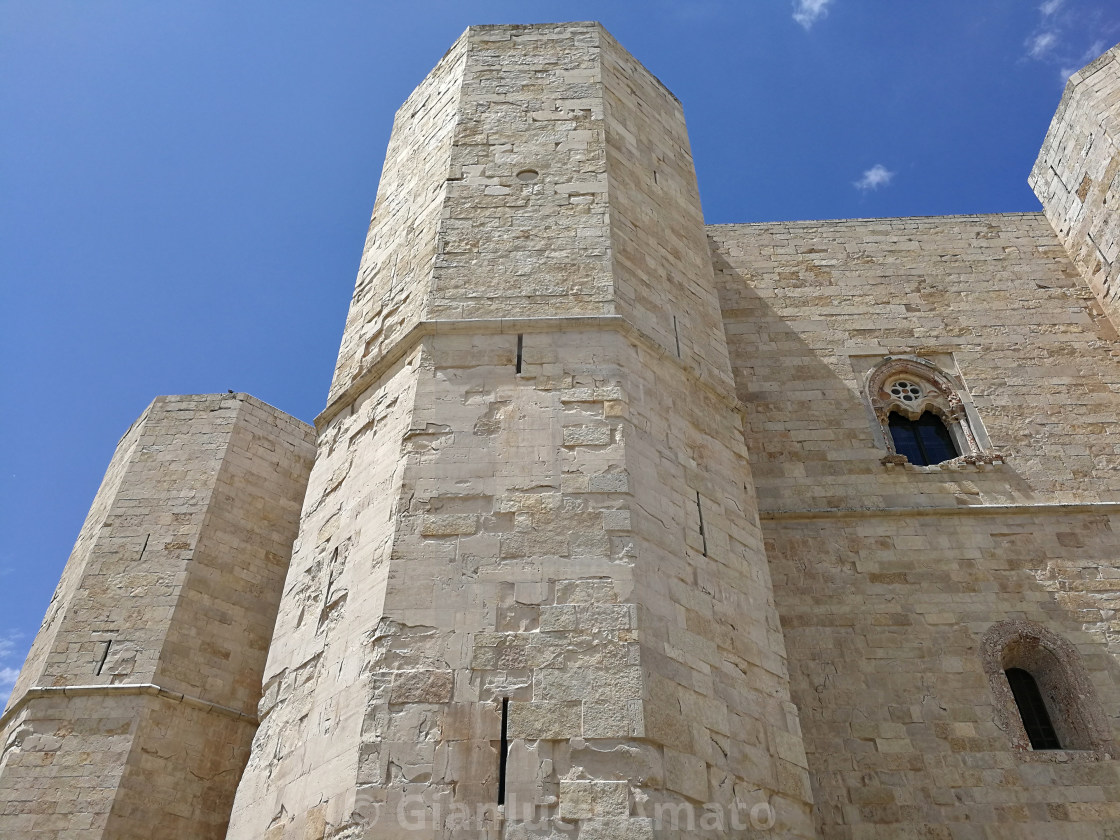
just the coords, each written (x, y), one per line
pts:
(887, 593)
(814, 441)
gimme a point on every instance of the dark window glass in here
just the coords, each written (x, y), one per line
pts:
(923, 441)
(1036, 720)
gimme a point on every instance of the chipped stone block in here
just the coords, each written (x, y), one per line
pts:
(616, 520)
(422, 687)
(587, 435)
(615, 482)
(560, 617)
(448, 525)
(586, 799)
(686, 774)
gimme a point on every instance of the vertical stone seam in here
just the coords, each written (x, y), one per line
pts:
(608, 155)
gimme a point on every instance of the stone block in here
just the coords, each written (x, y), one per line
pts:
(422, 686)
(587, 435)
(588, 799)
(545, 720)
(449, 525)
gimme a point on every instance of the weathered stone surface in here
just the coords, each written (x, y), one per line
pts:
(1077, 175)
(888, 577)
(580, 800)
(530, 417)
(531, 566)
(137, 704)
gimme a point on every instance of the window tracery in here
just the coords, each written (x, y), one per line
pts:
(930, 424)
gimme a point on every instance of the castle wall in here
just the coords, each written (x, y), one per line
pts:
(1077, 175)
(512, 496)
(515, 245)
(885, 617)
(888, 577)
(994, 301)
(137, 706)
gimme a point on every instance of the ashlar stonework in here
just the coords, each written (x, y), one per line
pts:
(606, 531)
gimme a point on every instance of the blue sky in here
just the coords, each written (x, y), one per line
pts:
(185, 186)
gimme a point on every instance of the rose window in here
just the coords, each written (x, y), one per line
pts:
(905, 390)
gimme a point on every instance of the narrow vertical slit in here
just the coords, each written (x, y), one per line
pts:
(655, 176)
(330, 577)
(703, 536)
(104, 656)
(677, 336)
(520, 345)
(144, 547)
(503, 756)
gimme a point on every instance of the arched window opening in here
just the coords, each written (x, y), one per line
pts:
(923, 418)
(1032, 709)
(1044, 697)
(923, 441)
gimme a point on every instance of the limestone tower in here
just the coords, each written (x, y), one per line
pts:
(134, 712)
(1077, 175)
(529, 589)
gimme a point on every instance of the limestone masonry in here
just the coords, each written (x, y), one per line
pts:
(619, 526)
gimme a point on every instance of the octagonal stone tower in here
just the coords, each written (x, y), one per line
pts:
(529, 591)
(133, 715)
(1077, 175)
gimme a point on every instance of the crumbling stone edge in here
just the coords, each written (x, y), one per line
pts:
(124, 689)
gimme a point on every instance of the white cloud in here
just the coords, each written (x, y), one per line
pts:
(8, 674)
(808, 12)
(7, 680)
(1065, 28)
(875, 177)
(1040, 44)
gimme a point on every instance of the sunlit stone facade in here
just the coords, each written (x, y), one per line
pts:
(620, 525)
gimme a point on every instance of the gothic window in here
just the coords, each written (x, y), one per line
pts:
(923, 419)
(923, 441)
(1044, 697)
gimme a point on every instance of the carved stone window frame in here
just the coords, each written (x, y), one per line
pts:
(940, 396)
(1057, 668)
